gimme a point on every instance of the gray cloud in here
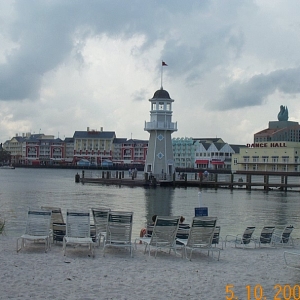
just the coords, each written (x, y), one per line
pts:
(256, 89)
(45, 31)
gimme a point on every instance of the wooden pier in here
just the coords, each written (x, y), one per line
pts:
(245, 180)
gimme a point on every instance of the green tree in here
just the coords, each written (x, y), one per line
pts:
(4, 156)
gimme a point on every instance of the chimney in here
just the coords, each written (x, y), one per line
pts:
(101, 129)
(88, 129)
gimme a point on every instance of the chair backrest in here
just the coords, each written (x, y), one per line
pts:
(266, 234)
(216, 236)
(56, 216)
(38, 222)
(183, 231)
(100, 216)
(202, 231)
(247, 235)
(165, 230)
(149, 230)
(285, 236)
(119, 227)
(78, 224)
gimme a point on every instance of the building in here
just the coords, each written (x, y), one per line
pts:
(129, 152)
(159, 158)
(268, 157)
(203, 153)
(275, 149)
(93, 145)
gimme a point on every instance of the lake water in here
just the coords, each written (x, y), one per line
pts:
(23, 188)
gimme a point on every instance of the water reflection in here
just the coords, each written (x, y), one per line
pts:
(158, 201)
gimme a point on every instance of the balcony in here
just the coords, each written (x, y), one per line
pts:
(155, 125)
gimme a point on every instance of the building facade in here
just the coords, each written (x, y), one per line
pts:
(268, 157)
(275, 149)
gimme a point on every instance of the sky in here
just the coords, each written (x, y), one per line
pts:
(66, 65)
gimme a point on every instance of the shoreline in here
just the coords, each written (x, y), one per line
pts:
(34, 274)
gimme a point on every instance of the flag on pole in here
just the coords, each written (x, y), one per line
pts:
(163, 63)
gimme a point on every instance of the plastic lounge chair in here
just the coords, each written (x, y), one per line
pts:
(100, 216)
(284, 238)
(217, 238)
(163, 234)
(200, 236)
(292, 259)
(241, 239)
(78, 230)
(58, 225)
(37, 228)
(119, 230)
(266, 237)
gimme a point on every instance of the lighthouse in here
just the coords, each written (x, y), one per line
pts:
(160, 160)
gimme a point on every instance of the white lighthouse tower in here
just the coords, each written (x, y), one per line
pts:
(160, 161)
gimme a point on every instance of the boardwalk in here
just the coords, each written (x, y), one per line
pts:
(246, 181)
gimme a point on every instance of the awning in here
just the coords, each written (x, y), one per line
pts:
(217, 162)
(202, 161)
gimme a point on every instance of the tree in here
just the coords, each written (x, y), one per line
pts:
(4, 156)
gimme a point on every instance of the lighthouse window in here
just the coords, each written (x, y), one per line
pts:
(161, 106)
(153, 106)
(168, 106)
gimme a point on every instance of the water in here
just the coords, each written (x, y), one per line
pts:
(24, 188)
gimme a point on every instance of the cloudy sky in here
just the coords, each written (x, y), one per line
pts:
(66, 65)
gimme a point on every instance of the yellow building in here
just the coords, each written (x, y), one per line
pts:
(267, 157)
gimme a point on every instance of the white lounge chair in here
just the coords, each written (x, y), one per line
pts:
(100, 216)
(119, 230)
(200, 236)
(37, 228)
(163, 234)
(266, 237)
(78, 230)
(241, 239)
(284, 238)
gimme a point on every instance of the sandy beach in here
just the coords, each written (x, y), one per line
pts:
(34, 274)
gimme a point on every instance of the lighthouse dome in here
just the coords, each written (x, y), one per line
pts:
(161, 94)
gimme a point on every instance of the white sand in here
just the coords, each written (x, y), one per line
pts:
(34, 274)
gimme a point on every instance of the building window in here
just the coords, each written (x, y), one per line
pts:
(246, 159)
(255, 159)
(274, 159)
(235, 161)
(285, 159)
(161, 106)
(265, 159)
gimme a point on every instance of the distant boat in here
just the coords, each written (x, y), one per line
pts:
(7, 167)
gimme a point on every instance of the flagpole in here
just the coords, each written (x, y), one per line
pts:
(161, 78)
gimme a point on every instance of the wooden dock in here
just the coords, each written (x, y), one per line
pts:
(247, 181)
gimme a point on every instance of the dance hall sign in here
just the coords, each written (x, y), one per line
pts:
(267, 145)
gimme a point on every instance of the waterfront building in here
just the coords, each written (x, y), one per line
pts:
(35, 149)
(129, 152)
(184, 152)
(203, 153)
(275, 149)
(95, 146)
(14, 147)
(69, 151)
(159, 158)
(268, 157)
